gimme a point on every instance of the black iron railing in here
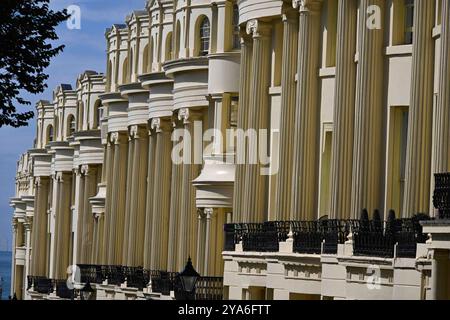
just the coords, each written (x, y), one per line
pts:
(370, 237)
(441, 197)
(163, 282)
(114, 274)
(62, 290)
(43, 285)
(91, 273)
(209, 288)
(134, 277)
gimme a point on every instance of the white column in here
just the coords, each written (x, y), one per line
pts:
(108, 168)
(28, 227)
(307, 115)
(13, 262)
(63, 225)
(148, 253)
(420, 131)
(288, 95)
(442, 117)
(209, 213)
(90, 188)
(79, 198)
(255, 199)
(117, 199)
(188, 219)
(136, 231)
(344, 111)
(244, 95)
(367, 147)
(161, 195)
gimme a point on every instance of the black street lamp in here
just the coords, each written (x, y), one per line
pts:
(87, 292)
(188, 278)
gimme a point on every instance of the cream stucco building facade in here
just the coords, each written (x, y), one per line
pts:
(355, 96)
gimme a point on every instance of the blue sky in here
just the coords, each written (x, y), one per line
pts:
(85, 50)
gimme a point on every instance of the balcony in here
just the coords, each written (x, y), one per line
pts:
(374, 237)
(162, 282)
(441, 197)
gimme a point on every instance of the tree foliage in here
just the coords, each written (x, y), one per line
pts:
(27, 28)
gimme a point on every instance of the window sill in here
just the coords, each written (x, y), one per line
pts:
(399, 50)
(327, 72)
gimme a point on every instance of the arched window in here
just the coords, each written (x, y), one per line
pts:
(125, 70)
(236, 38)
(71, 125)
(205, 29)
(50, 133)
(145, 62)
(169, 48)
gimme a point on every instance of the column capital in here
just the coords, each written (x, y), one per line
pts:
(15, 222)
(86, 169)
(307, 6)
(187, 115)
(59, 176)
(28, 224)
(117, 138)
(209, 212)
(258, 29)
(160, 125)
(37, 182)
(289, 15)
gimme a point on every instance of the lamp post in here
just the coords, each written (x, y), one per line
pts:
(188, 278)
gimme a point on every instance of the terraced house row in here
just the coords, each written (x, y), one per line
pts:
(355, 95)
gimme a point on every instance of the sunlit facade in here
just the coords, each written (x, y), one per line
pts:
(355, 95)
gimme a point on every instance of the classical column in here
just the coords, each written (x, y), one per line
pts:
(244, 94)
(108, 168)
(255, 199)
(136, 231)
(149, 203)
(117, 199)
(28, 225)
(209, 215)
(128, 196)
(39, 245)
(420, 131)
(344, 110)
(442, 117)
(63, 225)
(307, 114)
(161, 196)
(80, 217)
(287, 125)
(14, 248)
(201, 240)
(175, 200)
(90, 188)
(191, 170)
(367, 148)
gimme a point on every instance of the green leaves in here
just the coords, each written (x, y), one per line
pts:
(27, 28)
